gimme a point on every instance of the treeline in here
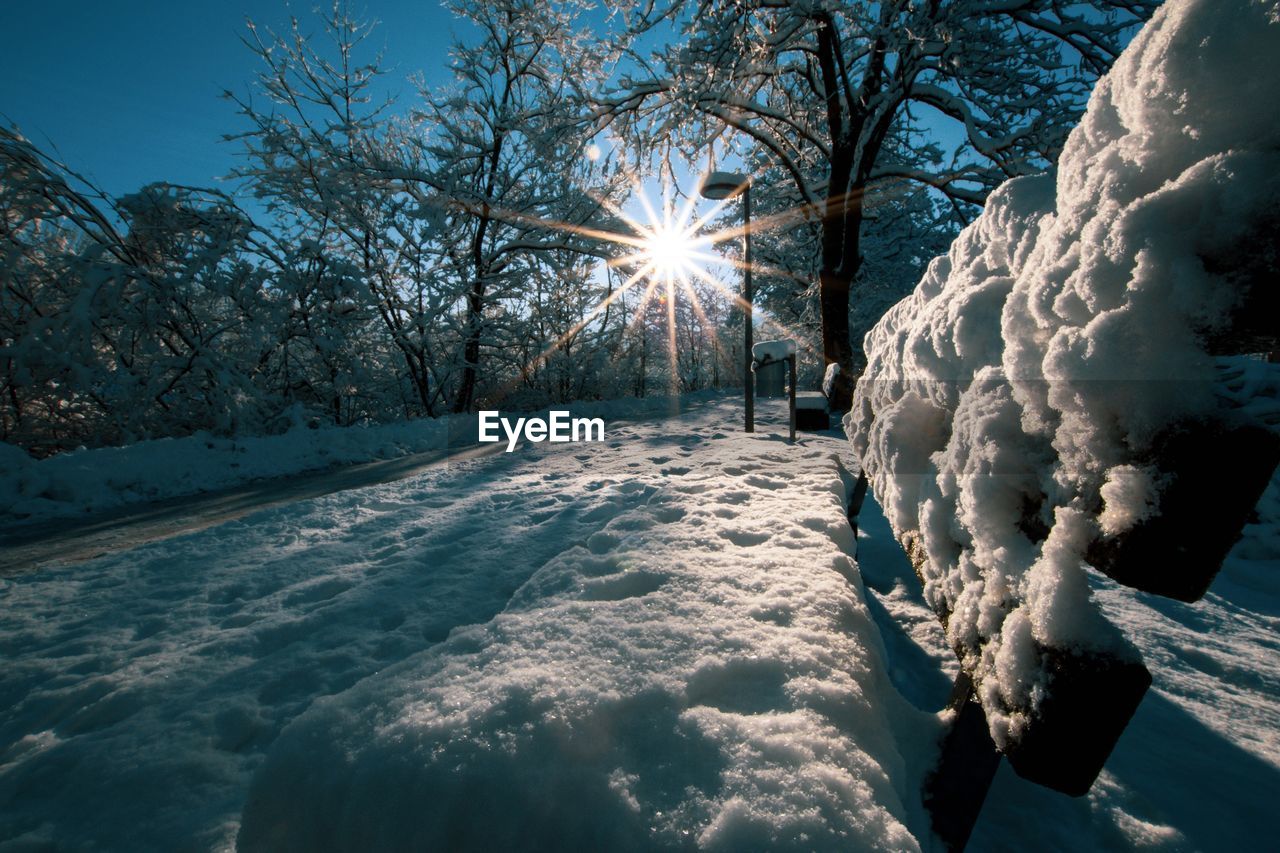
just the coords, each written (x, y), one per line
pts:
(397, 264)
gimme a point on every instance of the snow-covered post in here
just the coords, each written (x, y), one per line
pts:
(791, 360)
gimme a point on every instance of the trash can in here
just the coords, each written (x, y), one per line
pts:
(771, 379)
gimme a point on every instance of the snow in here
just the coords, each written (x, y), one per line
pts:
(88, 481)
(767, 351)
(829, 378)
(1010, 406)
(700, 669)
(659, 640)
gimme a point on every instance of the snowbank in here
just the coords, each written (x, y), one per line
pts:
(702, 671)
(1011, 405)
(668, 643)
(144, 689)
(87, 481)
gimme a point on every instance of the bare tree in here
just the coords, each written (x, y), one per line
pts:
(316, 140)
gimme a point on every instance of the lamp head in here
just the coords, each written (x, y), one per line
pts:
(720, 185)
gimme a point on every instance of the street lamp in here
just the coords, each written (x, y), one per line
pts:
(722, 185)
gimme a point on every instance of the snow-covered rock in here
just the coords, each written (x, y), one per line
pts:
(1010, 406)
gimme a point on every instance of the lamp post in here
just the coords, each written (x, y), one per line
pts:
(722, 185)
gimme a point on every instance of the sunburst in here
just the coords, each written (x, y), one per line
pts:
(669, 254)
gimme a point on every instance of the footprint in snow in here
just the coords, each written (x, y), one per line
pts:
(602, 542)
(668, 514)
(764, 482)
(317, 592)
(740, 686)
(383, 553)
(622, 586)
(776, 615)
(744, 538)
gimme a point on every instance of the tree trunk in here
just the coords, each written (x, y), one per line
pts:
(471, 350)
(833, 299)
(841, 229)
(841, 220)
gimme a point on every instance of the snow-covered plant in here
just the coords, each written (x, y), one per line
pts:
(122, 318)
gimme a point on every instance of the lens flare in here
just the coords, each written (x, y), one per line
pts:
(666, 256)
(670, 251)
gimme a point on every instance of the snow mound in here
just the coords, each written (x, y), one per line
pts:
(1010, 405)
(702, 671)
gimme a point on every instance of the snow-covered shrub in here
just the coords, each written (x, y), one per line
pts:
(1013, 406)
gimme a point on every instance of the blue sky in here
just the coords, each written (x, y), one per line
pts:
(128, 90)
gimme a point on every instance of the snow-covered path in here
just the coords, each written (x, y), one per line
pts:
(658, 641)
(146, 686)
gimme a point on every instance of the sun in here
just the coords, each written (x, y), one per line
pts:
(670, 250)
(668, 255)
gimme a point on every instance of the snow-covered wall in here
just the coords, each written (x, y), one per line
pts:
(1010, 406)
